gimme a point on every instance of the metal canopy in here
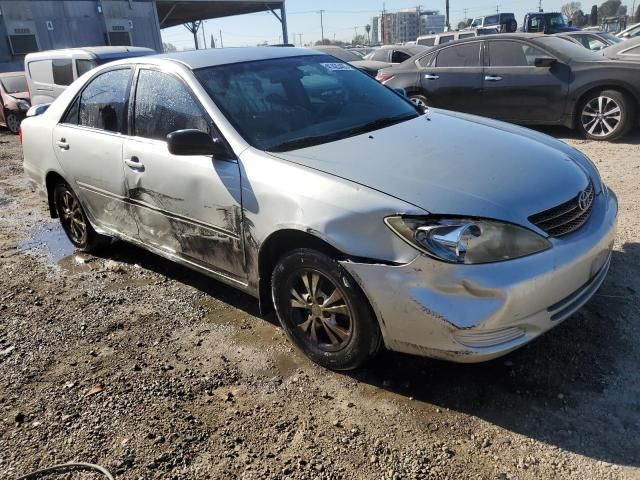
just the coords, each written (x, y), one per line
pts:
(177, 12)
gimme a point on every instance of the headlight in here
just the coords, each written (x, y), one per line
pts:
(467, 241)
(23, 105)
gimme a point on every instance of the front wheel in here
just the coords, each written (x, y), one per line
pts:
(606, 115)
(323, 311)
(74, 220)
(419, 100)
(13, 122)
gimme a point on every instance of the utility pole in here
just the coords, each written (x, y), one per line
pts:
(540, 6)
(497, 8)
(204, 39)
(466, 11)
(448, 23)
(321, 12)
(193, 27)
(300, 37)
(221, 43)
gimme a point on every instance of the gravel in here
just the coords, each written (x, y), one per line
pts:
(154, 371)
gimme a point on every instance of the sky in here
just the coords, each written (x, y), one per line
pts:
(341, 19)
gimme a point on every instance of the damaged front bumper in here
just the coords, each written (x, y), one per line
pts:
(473, 313)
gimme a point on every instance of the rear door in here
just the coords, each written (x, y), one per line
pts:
(516, 90)
(452, 77)
(187, 206)
(88, 144)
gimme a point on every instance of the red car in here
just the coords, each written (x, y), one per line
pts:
(15, 99)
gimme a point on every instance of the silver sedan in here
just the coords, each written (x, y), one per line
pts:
(363, 220)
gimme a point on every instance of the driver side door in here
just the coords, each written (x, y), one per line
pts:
(184, 206)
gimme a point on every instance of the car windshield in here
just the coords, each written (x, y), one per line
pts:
(557, 20)
(17, 84)
(611, 37)
(568, 50)
(290, 103)
(476, 22)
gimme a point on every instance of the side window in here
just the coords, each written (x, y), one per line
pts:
(465, 55)
(399, 57)
(447, 39)
(62, 71)
(428, 42)
(103, 103)
(427, 60)
(83, 66)
(513, 54)
(40, 71)
(466, 35)
(381, 55)
(594, 43)
(163, 105)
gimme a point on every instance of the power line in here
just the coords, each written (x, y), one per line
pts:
(321, 12)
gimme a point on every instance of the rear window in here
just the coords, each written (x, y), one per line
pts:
(491, 20)
(15, 84)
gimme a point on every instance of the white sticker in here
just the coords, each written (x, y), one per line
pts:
(336, 67)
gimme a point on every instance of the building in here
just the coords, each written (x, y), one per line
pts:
(35, 25)
(405, 25)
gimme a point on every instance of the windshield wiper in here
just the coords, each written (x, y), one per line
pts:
(351, 132)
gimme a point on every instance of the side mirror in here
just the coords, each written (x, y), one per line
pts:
(195, 142)
(545, 62)
(36, 110)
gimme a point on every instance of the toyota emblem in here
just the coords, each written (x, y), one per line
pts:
(584, 200)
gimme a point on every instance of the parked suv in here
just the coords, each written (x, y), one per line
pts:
(546, 22)
(15, 100)
(49, 73)
(505, 22)
(446, 37)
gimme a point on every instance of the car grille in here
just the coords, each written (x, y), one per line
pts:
(567, 217)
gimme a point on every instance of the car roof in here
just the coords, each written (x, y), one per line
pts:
(212, 57)
(98, 52)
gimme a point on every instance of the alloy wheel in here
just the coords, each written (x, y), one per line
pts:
(419, 102)
(323, 317)
(601, 116)
(13, 123)
(72, 217)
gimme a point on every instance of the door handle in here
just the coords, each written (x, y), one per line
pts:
(429, 76)
(62, 144)
(492, 78)
(134, 163)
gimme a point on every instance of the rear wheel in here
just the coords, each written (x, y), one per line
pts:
(419, 100)
(323, 311)
(13, 122)
(606, 115)
(74, 220)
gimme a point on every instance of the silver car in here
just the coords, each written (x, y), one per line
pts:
(363, 220)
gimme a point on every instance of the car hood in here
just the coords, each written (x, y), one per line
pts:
(456, 164)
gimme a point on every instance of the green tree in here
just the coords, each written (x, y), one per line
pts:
(593, 18)
(609, 8)
(637, 19)
(462, 25)
(168, 47)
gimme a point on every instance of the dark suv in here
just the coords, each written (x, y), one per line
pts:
(546, 22)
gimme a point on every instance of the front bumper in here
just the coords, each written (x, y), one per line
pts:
(473, 313)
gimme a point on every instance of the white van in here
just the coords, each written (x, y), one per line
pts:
(49, 73)
(445, 37)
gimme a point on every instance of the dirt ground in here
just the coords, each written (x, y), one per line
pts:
(153, 371)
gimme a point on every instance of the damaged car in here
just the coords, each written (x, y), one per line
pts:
(364, 220)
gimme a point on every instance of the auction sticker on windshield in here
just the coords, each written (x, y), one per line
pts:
(336, 67)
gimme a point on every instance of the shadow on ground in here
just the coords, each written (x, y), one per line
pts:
(558, 390)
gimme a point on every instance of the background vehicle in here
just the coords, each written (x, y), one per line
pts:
(546, 22)
(362, 51)
(629, 51)
(631, 32)
(370, 67)
(15, 99)
(596, 40)
(446, 37)
(395, 53)
(614, 25)
(504, 22)
(49, 73)
(269, 169)
(526, 79)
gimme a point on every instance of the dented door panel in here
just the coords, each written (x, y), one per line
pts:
(187, 206)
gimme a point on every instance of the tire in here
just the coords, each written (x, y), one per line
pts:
(74, 220)
(13, 122)
(335, 327)
(419, 100)
(605, 115)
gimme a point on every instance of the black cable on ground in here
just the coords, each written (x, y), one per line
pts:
(66, 468)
